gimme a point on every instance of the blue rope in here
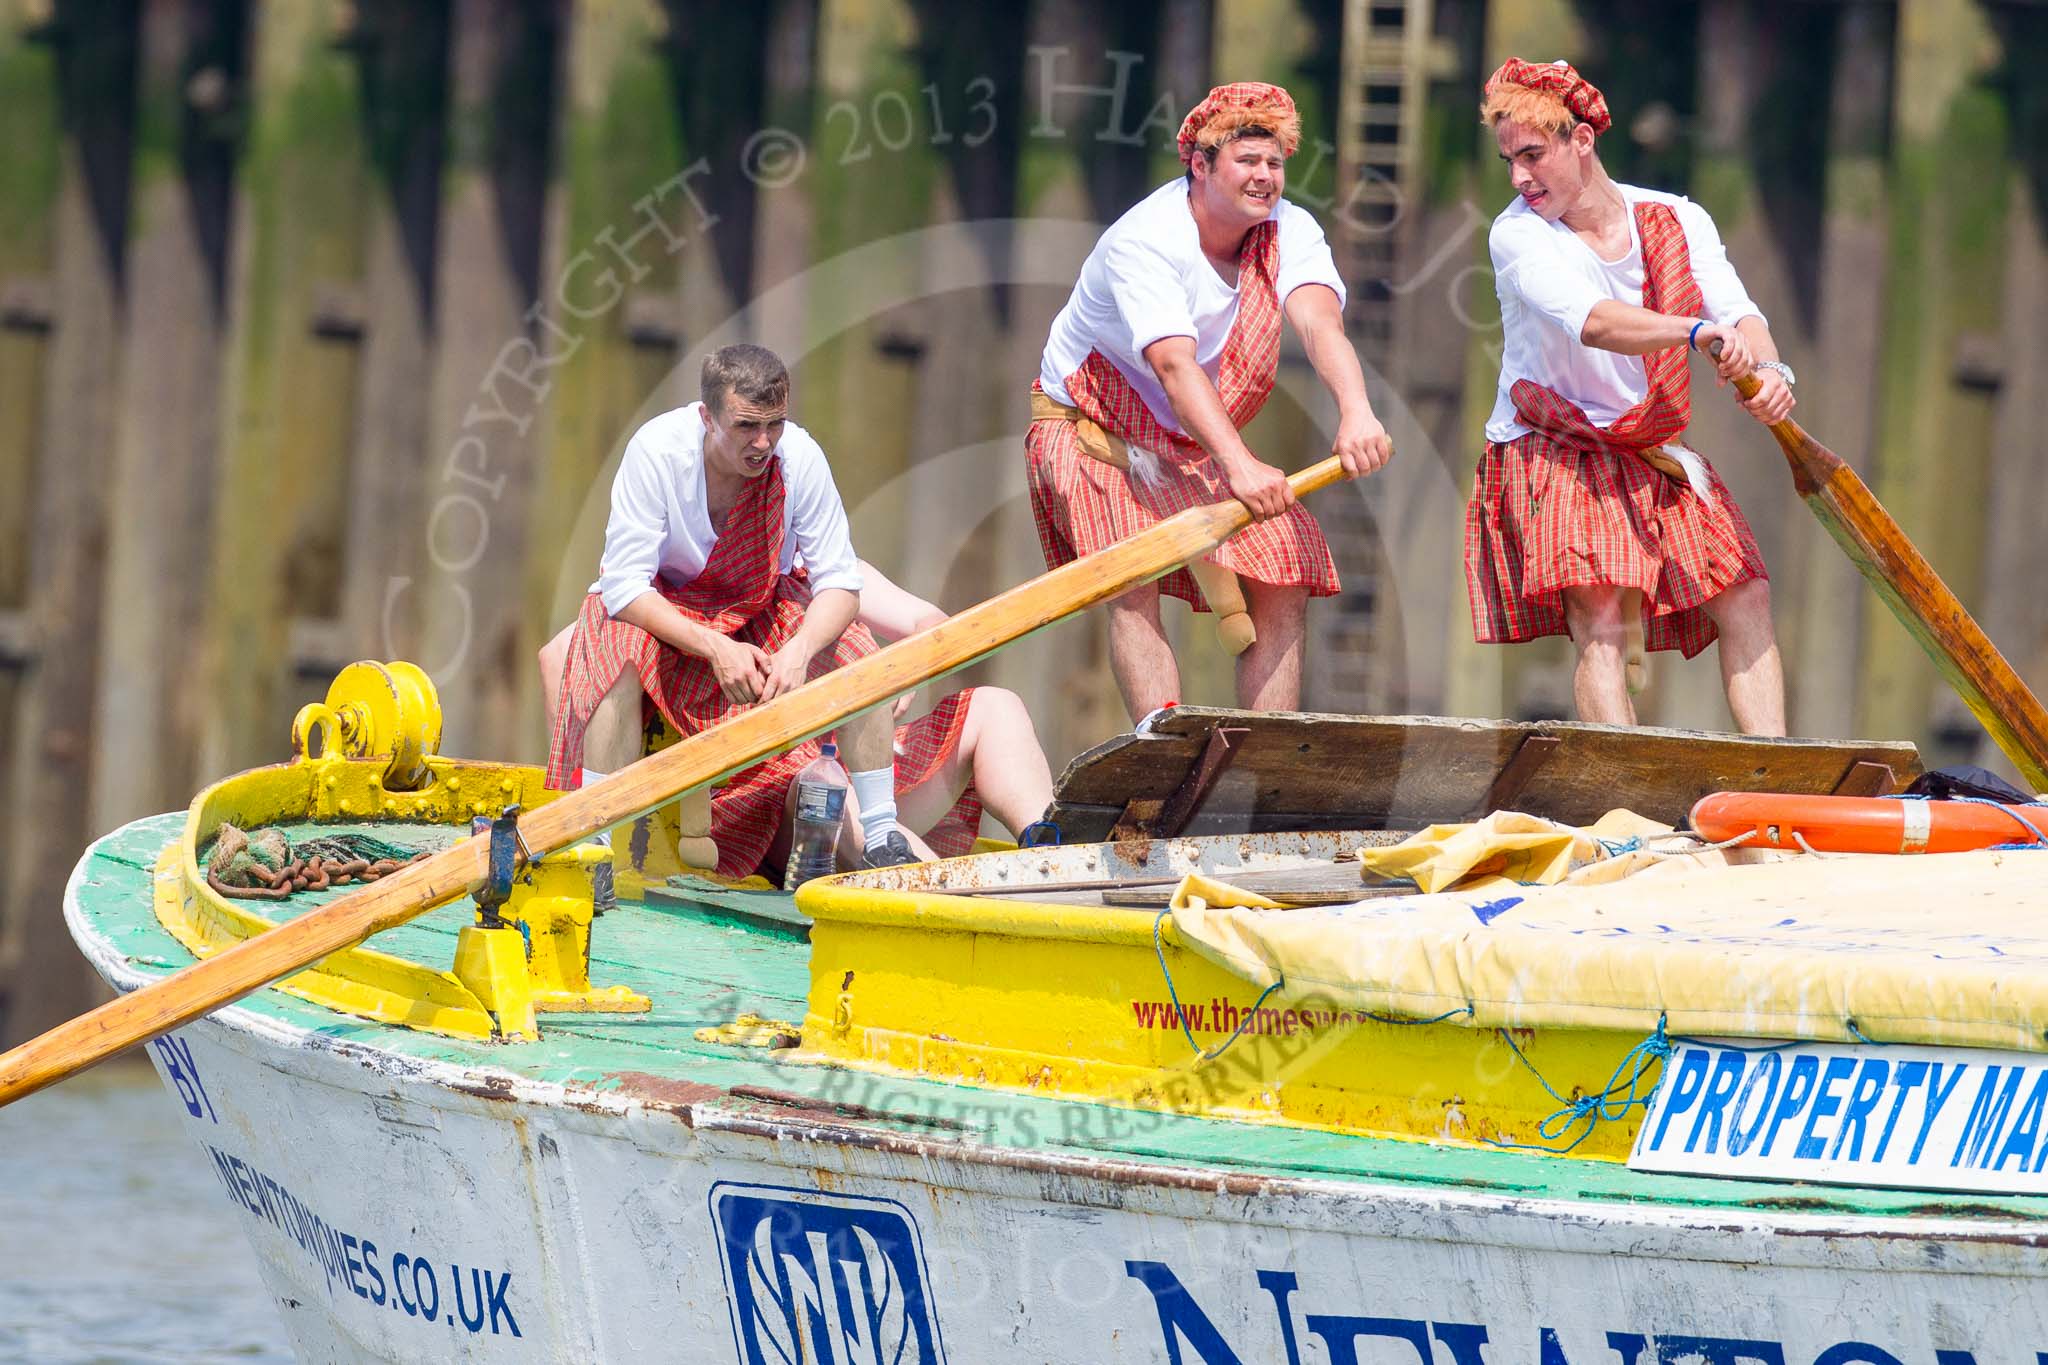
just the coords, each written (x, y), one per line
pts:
(1592, 1109)
(1039, 834)
(1181, 1015)
(1159, 950)
(1737, 1047)
(1378, 1018)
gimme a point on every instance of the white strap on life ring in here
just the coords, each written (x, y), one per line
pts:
(1919, 822)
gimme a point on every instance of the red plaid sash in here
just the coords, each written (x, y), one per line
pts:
(742, 594)
(1081, 504)
(1244, 372)
(1571, 504)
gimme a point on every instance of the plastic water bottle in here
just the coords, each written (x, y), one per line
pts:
(814, 834)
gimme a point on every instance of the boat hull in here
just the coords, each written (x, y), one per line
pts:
(406, 1205)
(421, 1213)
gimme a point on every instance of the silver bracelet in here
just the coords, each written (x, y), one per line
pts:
(1784, 370)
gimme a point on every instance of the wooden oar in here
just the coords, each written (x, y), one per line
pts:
(633, 791)
(2009, 712)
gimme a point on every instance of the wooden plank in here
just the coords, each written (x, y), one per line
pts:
(52, 760)
(1289, 899)
(1865, 778)
(168, 409)
(1530, 756)
(1312, 771)
(492, 358)
(17, 639)
(1217, 752)
(620, 211)
(861, 365)
(1946, 191)
(289, 396)
(401, 58)
(1819, 597)
(29, 179)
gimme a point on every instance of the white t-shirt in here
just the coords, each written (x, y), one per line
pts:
(661, 515)
(1548, 280)
(1147, 278)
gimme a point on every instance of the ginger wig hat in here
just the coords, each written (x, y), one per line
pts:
(1579, 96)
(1229, 108)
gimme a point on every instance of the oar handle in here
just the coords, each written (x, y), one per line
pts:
(1813, 464)
(698, 760)
(1319, 475)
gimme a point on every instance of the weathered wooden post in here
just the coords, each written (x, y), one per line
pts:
(83, 85)
(161, 493)
(1948, 188)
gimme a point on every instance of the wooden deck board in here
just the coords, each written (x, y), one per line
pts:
(1309, 771)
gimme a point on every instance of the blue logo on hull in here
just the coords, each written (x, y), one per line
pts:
(834, 1279)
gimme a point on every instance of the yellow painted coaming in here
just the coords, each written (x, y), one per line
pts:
(358, 981)
(1039, 998)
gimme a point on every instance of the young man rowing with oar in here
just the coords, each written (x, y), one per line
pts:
(1166, 350)
(1588, 517)
(729, 578)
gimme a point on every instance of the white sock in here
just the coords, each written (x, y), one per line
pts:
(876, 792)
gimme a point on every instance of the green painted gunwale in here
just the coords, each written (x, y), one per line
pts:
(734, 951)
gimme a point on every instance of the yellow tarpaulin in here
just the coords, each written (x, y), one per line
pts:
(1943, 949)
(1508, 848)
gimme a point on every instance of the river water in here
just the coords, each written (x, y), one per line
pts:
(116, 1243)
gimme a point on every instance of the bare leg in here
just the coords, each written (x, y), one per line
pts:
(1139, 656)
(551, 659)
(999, 752)
(1750, 668)
(868, 741)
(1600, 683)
(612, 739)
(1269, 673)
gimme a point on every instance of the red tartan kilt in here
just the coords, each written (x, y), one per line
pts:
(680, 686)
(1544, 517)
(1082, 505)
(747, 810)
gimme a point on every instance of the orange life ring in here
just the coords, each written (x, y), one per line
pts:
(1864, 824)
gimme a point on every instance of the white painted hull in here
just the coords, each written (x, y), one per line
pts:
(519, 1227)
(423, 1211)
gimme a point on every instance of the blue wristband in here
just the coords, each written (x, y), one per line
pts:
(1692, 338)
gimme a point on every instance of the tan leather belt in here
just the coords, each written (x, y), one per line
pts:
(1105, 446)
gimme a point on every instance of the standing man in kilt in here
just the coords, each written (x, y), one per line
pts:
(1588, 517)
(701, 608)
(1168, 346)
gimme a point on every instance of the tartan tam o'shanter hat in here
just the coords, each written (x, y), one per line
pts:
(1580, 96)
(1243, 104)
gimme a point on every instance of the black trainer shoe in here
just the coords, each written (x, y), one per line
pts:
(893, 851)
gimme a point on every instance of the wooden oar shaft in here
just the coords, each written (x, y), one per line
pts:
(2002, 703)
(700, 759)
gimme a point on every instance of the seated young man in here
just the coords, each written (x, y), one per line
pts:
(700, 609)
(987, 750)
